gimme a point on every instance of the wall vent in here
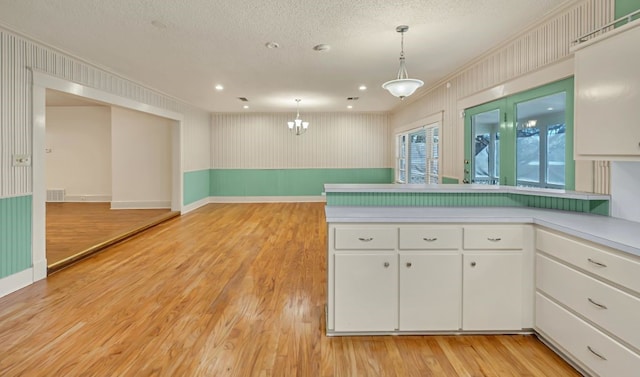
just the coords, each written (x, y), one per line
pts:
(55, 195)
(243, 99)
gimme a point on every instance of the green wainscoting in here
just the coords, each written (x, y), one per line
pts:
(196, 186)
(289, 182)
(600, 207)
(450, 181)
(15, 235)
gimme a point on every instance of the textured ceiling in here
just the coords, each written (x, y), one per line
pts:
(201, 43)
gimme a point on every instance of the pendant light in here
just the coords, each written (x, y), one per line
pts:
(297, 126)
(402, 86)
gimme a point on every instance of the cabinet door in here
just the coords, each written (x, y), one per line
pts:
(366, 292)
(607, 96)
(492, 291)
(430, 291)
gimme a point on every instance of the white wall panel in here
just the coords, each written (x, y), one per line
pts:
(78, 157)
(544, 43)
(18, 54)
(334, 140)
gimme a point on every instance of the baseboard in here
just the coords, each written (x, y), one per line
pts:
(266, 199)
(88, 198)
(16, 281)
(195, 205)
(39, 270)
(151, 204)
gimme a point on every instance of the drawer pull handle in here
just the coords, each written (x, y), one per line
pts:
(596, 304)
(494, 239)
(597, 354)
(386, 265)
(430, 239)
(366, 239)
(596, 263)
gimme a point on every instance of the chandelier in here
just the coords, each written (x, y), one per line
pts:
(402, 86)
(297, 126)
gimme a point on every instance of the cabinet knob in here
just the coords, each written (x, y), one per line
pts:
(386, 264)
(409, 264)
(473, 264)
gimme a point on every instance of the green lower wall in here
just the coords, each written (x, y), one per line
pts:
(289, 182)
(600, 207)
(15, 235)
(196, 186)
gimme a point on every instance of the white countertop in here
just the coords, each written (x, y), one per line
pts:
(608, 231)
(471, 188)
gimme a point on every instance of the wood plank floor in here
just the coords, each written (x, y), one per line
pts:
(227, 290)
(74, 227)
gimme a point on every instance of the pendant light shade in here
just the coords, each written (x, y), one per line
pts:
(402, 86)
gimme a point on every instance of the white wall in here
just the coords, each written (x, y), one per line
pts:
(625, 190)
(334, 140)
(141, 159)
(78, 155)
(544, 44)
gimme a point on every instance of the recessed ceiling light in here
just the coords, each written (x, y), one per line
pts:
(245, 106)
(219, 87)
(321, 47)
(362, 87)
(549, 108)
(272, 45)
(349, 107)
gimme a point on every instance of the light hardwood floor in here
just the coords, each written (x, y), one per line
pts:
(227, 290)
(76, 228)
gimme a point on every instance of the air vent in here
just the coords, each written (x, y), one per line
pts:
(243, 99)
(353, 98)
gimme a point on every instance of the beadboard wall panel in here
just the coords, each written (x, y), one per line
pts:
(18, 54)
(334, 140)
(543, 44)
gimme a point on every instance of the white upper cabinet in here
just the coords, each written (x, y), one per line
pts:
(607, 96)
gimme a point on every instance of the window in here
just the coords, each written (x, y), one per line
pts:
(417, 155)
(524, 139)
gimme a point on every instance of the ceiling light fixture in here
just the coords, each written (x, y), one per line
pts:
(362, 87)
(297, 126)
(245, 106)
(402, 86)
(349, 107)
(219, 87)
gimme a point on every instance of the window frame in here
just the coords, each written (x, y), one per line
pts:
(432, 153)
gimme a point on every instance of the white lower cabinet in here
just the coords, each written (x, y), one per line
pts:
(430, 286)
(587, 345)
(492, 291)
(366, 293)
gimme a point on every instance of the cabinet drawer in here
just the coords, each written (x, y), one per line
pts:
(427, 237)
(584, 342)
(369, 238)
(618, 269)
(604, 305)
(493, 237)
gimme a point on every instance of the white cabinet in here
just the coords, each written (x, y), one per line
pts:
(492, 291)
(411, 278)
(430, 286)
(366, 292)
(588, 302)
(607, 94)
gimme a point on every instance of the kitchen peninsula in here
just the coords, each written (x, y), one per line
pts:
(423, 259)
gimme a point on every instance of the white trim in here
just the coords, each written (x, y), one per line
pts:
(16, 196)
(87, 198)
(195, 205)
(16, 281)
(546, 75)
(605, 35)
(143, 204)
(266, 199)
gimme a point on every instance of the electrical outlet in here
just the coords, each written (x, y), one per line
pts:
(21, 160)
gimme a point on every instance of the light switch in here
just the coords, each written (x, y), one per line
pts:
(21, 160)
